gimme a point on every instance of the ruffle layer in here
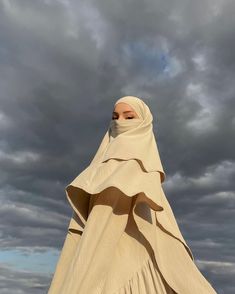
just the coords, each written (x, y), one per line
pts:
(125, 175)
(128, 177)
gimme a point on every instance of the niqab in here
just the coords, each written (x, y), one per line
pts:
(132, 139)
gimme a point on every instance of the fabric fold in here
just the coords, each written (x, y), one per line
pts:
(172, 254)
(147, 279)
(151, 211)
(84, 269)
(114, 173)
(103, 211)
(108, 177)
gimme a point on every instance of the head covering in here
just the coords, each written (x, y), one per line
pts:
(132, 139)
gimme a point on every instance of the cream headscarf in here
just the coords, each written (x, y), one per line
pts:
(132, 139)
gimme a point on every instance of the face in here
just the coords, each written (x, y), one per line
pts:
(123, 111)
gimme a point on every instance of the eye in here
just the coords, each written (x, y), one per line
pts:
(129, 117)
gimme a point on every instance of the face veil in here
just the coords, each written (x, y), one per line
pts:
(118, 127)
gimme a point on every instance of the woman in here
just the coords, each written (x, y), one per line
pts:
(123, 237)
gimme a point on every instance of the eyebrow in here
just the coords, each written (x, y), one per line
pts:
(114, 112)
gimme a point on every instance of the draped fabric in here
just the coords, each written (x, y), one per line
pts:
(123, 237)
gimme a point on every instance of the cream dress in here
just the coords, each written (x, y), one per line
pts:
(123, 238)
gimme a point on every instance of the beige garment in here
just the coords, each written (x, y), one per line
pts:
(123, 237)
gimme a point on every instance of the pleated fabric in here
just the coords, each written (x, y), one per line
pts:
(123, 237)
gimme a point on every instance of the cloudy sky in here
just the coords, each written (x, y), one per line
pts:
(63, 63)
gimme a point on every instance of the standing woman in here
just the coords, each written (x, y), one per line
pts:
(123, 237)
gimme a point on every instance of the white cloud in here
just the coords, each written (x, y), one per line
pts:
(218, 267)
(20, 157)
(199, 60)
(216, 175)
(204, 120)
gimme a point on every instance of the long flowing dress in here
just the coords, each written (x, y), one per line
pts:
(123, 237)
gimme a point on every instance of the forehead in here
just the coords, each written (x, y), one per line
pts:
(121, 107)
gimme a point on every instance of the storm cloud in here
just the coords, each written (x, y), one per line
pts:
(63, 63)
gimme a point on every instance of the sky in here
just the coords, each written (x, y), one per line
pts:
(63, 64)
